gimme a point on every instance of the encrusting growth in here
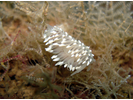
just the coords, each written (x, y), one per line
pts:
(68, 51)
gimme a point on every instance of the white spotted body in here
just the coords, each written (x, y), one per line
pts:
(69, 52)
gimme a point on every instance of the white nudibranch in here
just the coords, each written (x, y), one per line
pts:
(68, 51)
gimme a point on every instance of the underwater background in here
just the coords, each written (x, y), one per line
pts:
(27, 70)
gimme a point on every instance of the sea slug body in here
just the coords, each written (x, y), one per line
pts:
(68, 51)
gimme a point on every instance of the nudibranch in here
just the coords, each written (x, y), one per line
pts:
(66, 50)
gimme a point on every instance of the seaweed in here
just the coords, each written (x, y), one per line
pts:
(26, 69)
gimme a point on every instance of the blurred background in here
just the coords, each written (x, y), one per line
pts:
(26, 69)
